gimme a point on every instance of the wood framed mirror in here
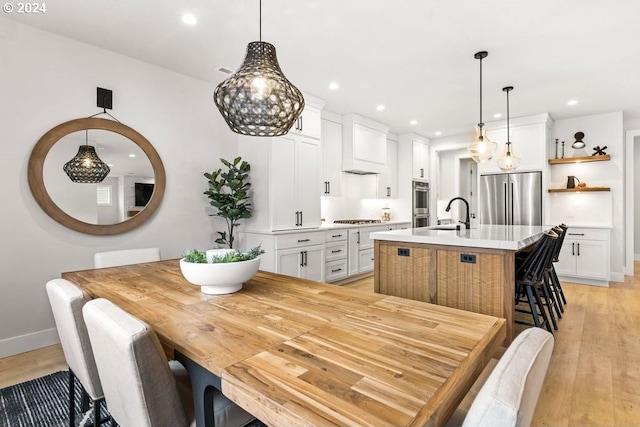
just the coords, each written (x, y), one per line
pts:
(118, 133)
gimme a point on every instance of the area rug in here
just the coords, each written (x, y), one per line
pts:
(41, 403)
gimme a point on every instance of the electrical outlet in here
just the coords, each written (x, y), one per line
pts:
(468, 258)
(403, 252)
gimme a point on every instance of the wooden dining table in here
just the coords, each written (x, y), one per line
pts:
(295, 352)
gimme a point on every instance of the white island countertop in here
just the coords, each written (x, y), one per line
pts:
(509, 237)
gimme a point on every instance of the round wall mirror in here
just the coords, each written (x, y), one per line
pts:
(127, 197)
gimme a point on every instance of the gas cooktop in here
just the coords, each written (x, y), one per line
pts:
(357, 221)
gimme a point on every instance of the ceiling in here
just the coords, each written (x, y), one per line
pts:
(413, 56)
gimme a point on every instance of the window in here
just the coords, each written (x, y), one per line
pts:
(103, 193)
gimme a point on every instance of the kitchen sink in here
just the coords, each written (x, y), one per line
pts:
(451, 227)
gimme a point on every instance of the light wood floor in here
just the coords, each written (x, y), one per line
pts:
(593, 378)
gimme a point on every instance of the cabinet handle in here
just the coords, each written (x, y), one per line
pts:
(305, 258)
(301, 258)
(575, 234)
(573, 249)
(421, 172)
(371, 258)
(388, 191)
(300, 218)
(335, 270)
(336, 251)
(358, 242)
(300, 123)
(578, 249)
(336, 235)
(326, 187)
(303, 240)
(297, 218)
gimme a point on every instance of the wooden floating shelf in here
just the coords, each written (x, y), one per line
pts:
(578, 190)
(583, 159)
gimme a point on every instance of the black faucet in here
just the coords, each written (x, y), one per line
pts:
(467, 221)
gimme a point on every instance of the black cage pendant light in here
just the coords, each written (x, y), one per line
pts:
(86, 167)
(508, 161)
(482, 149)
(258, 99)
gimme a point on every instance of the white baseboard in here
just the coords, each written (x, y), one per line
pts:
(28, 342)
(617, 277)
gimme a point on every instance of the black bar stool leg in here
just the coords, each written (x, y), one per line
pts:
(72, 398)
(545, 319)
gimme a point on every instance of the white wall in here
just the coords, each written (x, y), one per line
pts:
(46, 80)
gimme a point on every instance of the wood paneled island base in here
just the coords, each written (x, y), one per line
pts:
(466, 275)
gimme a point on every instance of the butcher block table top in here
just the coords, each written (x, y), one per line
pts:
(300, 353)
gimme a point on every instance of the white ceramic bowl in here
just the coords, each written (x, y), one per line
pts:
(219, 278)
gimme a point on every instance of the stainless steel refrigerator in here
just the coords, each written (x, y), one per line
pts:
(511, 199)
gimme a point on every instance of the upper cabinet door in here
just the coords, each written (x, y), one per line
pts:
(307, 177)
(283, 201)
(420, 160)
(331, 158)
(308, 123)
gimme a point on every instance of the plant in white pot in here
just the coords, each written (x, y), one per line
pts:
(220, 271)
(229, 193)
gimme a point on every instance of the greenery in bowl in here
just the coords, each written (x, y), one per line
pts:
(198, 257)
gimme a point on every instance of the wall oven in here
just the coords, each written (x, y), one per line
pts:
(420, 204)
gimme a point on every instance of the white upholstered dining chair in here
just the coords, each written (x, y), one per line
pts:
(140, 387)
(125, 257)
(67, 301)
(509, 396)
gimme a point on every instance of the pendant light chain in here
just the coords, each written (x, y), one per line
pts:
(260, 21)
(481, 124)
(508, 136)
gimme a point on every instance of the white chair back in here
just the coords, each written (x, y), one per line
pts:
(510, 395)
(67, 301)
(139, 387)
(125, 257)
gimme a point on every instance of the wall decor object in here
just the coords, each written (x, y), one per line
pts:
(482, 149)
(562, 150)
(509, 161)
(258, 100)
(599, 151)
(55, 137)
(556, 149)
(578, 143)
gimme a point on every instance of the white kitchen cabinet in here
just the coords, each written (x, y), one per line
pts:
(364, 145)
(584, 257)
(420, 158)
(304, 262)
(336, 254)
(529, 141)
(308, 123)
(361, 248)
(331, 158)
(383, 185)
(285, 181)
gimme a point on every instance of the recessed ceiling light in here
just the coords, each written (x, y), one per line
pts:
(413, 122)
(572, 102)
(380, 107)
(437, 133)
(497, 115)
(334, 86)
(189, 19)
(132, 155)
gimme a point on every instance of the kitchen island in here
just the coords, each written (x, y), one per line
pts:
(473, 270)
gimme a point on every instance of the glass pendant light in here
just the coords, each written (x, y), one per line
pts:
(258, 99)
(508, 161)
(482, 149)
(86, 167)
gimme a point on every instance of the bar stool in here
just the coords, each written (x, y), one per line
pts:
(553, 276)
(530, 280)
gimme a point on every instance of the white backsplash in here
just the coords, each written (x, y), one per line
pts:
(591, 209)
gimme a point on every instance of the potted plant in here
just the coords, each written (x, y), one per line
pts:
(220, 271)
(228, 193)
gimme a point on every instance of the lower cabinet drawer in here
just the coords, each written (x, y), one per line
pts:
(335, 270)
(334, 251)
(296, 240)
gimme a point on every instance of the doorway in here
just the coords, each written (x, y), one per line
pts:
(468, 185)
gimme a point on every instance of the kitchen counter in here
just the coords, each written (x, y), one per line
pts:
(510, 237)
(327, 226)
(472, 270)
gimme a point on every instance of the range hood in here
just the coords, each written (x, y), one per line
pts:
(364, 146)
